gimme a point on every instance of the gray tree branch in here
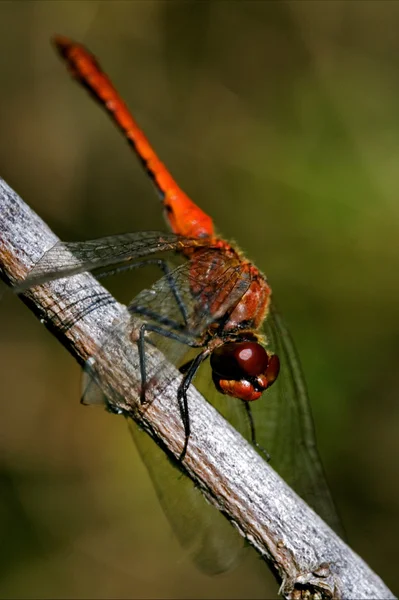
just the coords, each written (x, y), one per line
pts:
(300, 548)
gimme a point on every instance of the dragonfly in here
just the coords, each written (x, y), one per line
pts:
(216, 305)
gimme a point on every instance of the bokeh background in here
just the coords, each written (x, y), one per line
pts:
(281, 119)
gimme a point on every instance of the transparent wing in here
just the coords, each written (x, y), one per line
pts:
(284, 426)
(189, 297)
(103, 255)
(211, 542)
(283, 423)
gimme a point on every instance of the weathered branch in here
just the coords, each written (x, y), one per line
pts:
(299, 547)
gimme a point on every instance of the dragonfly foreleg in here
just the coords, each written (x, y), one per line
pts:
(188, 376)
(254, 442)
(186, 339)
(182, 396)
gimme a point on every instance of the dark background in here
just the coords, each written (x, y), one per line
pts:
(281, 119)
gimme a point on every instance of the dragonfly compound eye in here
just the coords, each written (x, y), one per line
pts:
(243, 369)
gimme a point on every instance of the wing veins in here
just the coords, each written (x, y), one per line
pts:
(65, 259)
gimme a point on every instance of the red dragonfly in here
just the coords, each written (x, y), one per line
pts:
(216, 303)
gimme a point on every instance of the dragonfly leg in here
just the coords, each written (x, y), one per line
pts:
(161, 319)
(166, 270)
(186, 339)
(182, 397)
(187, 379)
(143, 372)
(253, 433)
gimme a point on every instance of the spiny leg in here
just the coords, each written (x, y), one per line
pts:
(253, 433)
(186, 339)
(182, 397)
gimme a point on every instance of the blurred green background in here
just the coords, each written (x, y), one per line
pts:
(281, 119)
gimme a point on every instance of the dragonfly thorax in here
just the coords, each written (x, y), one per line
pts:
(243, 369)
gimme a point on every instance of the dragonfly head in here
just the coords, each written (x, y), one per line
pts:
(243, 369)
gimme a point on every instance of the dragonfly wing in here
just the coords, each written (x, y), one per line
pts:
(284, 426)
(208, 537)
(283, 423)
(212, 543)
(103, 256)
(206, 296)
